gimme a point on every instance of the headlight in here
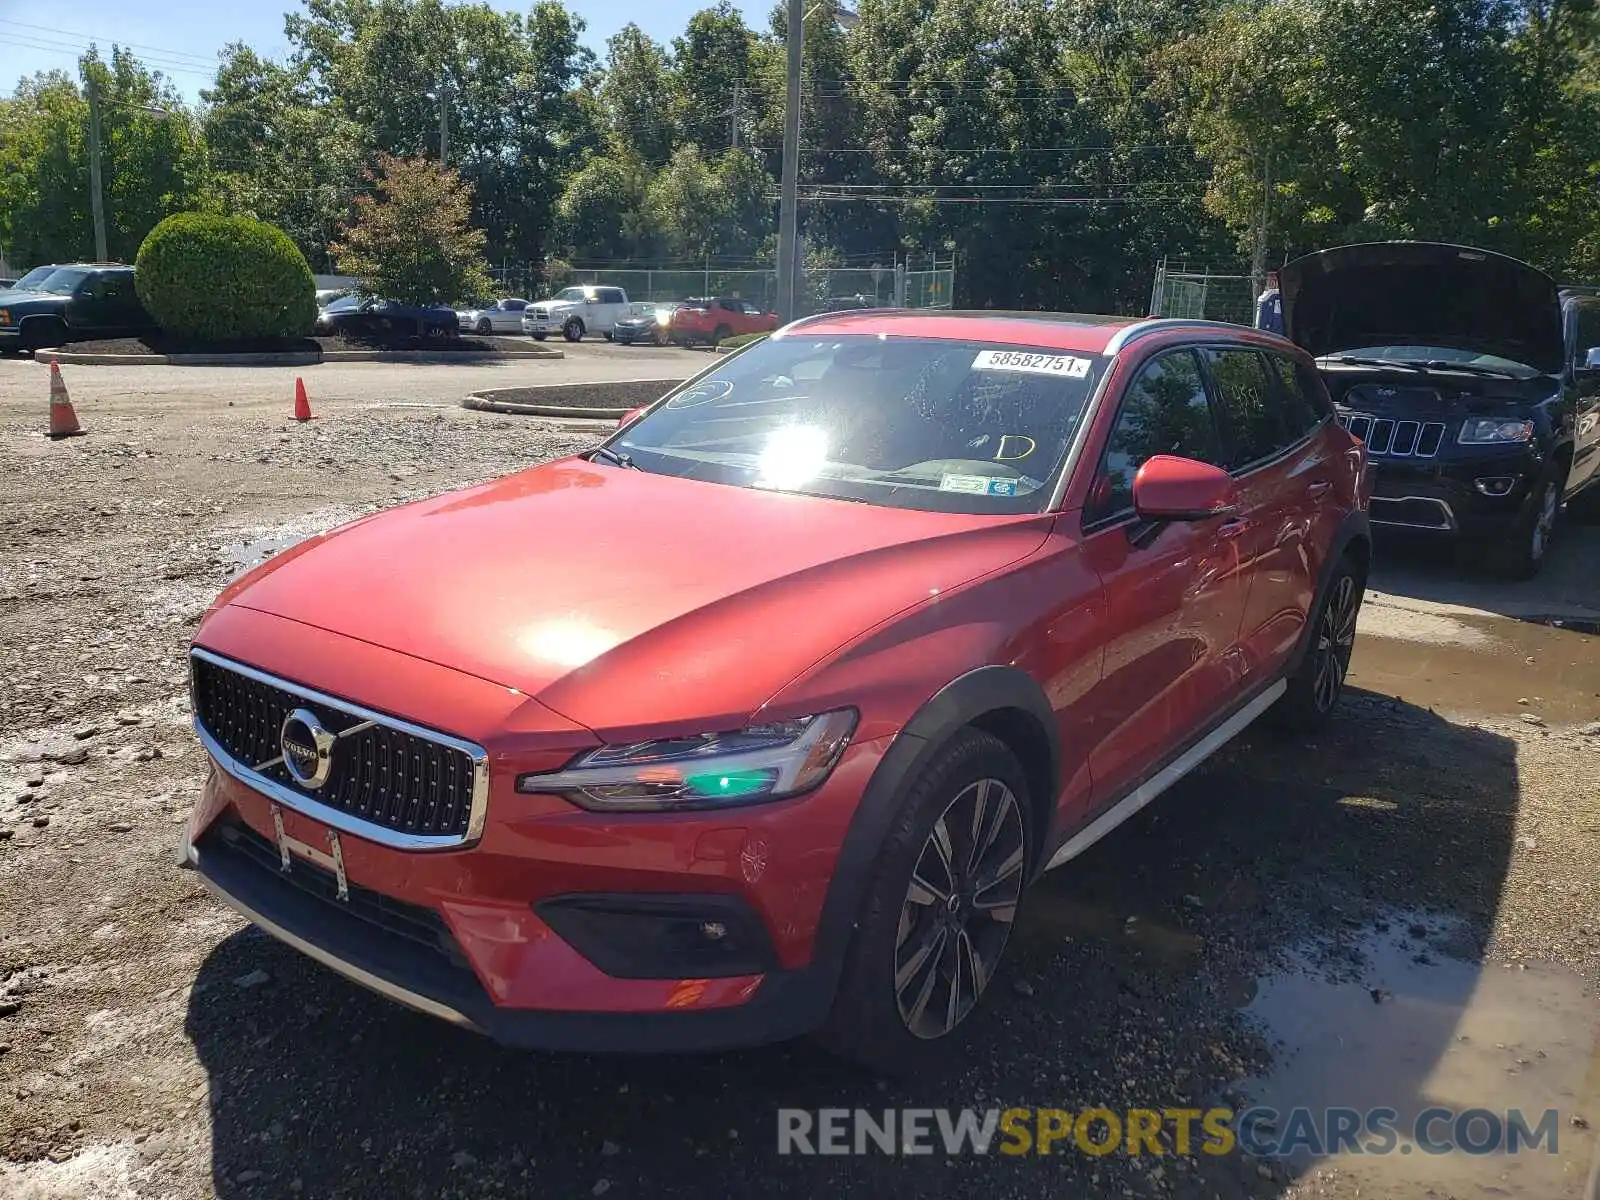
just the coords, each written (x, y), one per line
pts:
(709, 770)
(663, 316)
(1478, 430)
(5, 316)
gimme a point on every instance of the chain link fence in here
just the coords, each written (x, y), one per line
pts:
(821, 288)
(1200, 293)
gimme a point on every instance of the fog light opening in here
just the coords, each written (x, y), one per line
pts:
(1495, 485)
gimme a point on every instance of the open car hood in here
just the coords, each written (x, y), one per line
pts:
(1423, 294)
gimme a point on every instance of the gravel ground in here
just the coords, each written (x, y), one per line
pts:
(151, 1045)
(619, 397)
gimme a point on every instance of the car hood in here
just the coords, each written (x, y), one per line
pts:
(1423, 294)
(626, 600)
(14, 297)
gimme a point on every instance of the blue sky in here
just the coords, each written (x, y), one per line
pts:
(183, 36)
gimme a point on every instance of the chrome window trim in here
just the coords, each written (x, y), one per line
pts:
(333, 817)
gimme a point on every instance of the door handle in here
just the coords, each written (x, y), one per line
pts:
(1320, 488)
(1232, 529)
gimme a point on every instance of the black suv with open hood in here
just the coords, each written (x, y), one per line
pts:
(1466, 374)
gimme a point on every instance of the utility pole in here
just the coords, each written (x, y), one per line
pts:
(788, 215)
(1258, 264)
(736, 115)
(97, 204)
(444, 119)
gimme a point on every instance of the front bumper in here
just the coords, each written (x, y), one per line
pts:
(415, 960)
(1478, 495)
(627, 334)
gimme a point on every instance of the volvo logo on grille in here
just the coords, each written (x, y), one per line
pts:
(307, 748)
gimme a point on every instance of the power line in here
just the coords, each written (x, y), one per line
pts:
(198, 59)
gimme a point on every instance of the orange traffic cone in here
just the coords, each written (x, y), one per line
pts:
(63, 421)
(302, 405)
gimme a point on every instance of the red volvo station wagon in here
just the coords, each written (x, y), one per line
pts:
(758, 719)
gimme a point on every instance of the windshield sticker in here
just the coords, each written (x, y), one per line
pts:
(702, 393)
(978, 485)
(1034, 364)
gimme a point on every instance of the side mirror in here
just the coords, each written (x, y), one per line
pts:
(1591, 359)
(632, 415)
(1169, 488)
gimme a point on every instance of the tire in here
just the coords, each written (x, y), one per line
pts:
(1315, 687)
(41, 334)
(573, 330)
(896, 1002)
(1523, 552)
(485, 327)
(610, 337)
(720, 335)
(539, 337)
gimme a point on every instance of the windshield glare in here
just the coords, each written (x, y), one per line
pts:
(946, 426)
(571, 293)
(1446, 354)
(34, 278)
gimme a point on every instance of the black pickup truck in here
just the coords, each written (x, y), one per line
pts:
(75, 302)
(1473, 380)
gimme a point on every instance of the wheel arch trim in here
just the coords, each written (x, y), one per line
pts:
(958, 704)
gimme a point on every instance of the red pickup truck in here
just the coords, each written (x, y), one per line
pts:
(710, 320)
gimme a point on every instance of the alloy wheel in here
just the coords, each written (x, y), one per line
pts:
(1336, 638)
(959, 907)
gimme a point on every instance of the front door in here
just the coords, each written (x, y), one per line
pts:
(1174, 591)
(1285, 481)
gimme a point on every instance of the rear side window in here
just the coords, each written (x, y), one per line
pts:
(1304, 401)
(611, 296)
(1250, 410)
(1164, 412)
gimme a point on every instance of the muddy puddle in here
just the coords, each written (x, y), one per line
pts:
(1471, 664)
(1405, 1020)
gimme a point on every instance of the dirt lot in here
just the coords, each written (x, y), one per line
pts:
(1405, 912)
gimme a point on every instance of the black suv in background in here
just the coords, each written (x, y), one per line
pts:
(1473, 380)
(74, 302)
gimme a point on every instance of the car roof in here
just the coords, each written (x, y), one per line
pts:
(1085, 333)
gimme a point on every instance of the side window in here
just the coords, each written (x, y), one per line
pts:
(1249, 406)
(611, 296)
(1587, 331)
(516, 305)
(1163, 412)
(1304, 402)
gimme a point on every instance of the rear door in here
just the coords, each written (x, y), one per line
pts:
(1285, 477)
(1175, 593)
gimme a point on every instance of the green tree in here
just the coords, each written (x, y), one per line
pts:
(152, 160)
(601, 214)
(709, 62)
(636, 96)
(412, 238)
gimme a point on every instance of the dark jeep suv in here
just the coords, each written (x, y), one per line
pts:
(54, 305)
(1473, 380)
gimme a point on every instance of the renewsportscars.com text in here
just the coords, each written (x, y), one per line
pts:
(1260, 1132)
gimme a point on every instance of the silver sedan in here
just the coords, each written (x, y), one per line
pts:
(503, 316)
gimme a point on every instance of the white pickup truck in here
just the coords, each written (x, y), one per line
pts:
(575, 311)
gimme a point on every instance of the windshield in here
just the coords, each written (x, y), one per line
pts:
(61, 281)
(344, 304)
(1438, 355)
(571, 293)
(694, 302)
(34, 278)
(921, 423)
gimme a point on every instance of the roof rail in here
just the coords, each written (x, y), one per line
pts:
(1132, 333)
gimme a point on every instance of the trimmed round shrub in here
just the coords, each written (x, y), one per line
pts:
(225, 279)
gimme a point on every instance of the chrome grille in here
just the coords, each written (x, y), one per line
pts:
(1395, 439)
(391, 781)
